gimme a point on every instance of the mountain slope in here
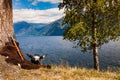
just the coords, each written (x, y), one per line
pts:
(31, 29)
(27, 29)
(55, 28)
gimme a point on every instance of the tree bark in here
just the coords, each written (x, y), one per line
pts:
(6, 21)
(95, 46)
(94, 32)
(95, 56)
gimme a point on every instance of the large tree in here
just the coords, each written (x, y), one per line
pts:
(6, 21)
(92, 23)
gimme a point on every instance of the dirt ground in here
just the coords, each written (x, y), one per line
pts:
(11, 54)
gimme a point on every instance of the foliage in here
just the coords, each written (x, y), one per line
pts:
(79, 14)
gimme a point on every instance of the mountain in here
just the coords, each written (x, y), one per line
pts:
(54, 29)
(34, 29)
(27, 29)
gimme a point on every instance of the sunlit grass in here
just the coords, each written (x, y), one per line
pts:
(12, 72)
(61, 73)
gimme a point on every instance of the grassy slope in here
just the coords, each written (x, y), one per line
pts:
(11, 72)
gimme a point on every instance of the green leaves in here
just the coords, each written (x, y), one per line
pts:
(79, 15)
(79, 33)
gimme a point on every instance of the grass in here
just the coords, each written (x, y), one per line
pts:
(12, 72)
(62, 73)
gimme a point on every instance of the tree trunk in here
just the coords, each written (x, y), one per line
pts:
(6, 21)
(94, 32)
(95, 57)
(95, 47)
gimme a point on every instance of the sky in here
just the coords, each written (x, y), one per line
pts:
(36, 11)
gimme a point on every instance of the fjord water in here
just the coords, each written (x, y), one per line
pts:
(60, 51)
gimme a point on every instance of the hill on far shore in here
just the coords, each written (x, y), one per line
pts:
(38, 29)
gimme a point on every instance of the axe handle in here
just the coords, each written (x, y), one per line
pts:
(18, 50)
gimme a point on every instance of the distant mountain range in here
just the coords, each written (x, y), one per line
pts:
(34, 29)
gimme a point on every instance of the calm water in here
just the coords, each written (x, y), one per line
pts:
(62, 51)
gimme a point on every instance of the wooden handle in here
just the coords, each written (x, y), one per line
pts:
(18, 50)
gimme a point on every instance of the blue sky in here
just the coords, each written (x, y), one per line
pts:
(36, 11)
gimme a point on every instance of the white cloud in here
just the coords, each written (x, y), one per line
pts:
(51, 1)
(37, 16)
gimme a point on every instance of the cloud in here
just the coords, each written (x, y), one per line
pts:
(51, 1)
(37, 16)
